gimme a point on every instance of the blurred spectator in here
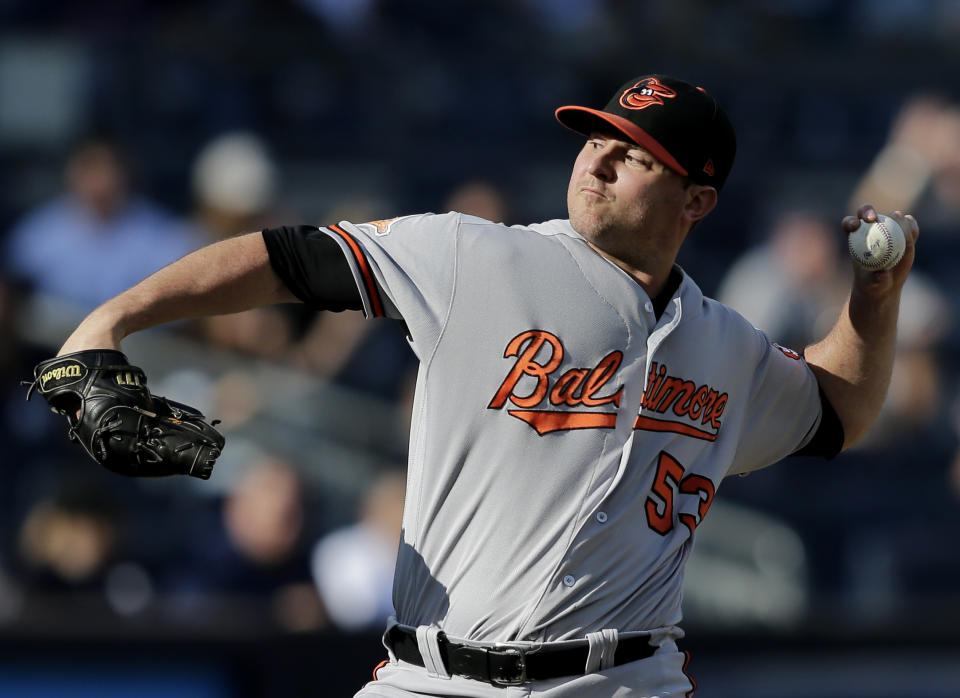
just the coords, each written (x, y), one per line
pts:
(371, 357)
(98, 237)
(792, 285)
(175, 78)
(915, 411)
(374, 357)
(77, 550)
(478, 198)
(353, 566)
(35, 447)
(67, 542)
(73, 547)
(234, 184)
(748, 568)
(918, 169)
(254, 549)
(264, 514)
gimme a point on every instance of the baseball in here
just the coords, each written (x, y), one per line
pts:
(878, 245)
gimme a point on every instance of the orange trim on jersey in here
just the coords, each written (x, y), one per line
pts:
(693, 683)
(379, 667)
(649, 424)
(361, 260)
(546, 421)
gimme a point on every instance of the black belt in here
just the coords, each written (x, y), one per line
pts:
(511, 666)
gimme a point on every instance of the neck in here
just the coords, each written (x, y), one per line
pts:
(651, 279)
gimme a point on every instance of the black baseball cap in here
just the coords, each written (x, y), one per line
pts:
(681, 125)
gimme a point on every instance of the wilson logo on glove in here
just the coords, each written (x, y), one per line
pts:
(116, 420)
(72, 370)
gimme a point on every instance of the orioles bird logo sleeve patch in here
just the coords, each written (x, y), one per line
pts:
(383, 226)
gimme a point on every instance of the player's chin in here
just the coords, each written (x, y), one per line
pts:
(588, 221)
(591, 230)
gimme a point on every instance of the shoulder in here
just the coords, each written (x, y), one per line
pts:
(730, 328)
(720, 311)
(466, 223)
(545, 234)
(476, 229)
(537, 240)
(558, 227)
(746, 339)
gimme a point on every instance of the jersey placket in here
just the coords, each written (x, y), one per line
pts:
(592, 518)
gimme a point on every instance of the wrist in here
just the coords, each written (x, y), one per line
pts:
(873, 312)
(102, 329)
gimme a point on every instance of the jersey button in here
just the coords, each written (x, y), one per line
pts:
(569, 581)
(602, 516)
(648, 306)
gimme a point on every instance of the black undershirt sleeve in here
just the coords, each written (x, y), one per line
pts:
(313, 267)
(828, 441)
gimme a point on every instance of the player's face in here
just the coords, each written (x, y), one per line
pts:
(624, 201)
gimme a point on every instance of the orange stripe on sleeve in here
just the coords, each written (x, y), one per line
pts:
(361, 259)
(379, 667)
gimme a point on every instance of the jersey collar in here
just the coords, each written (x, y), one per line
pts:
(685, 301)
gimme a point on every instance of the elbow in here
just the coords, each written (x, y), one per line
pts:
(856, 419)
(852, 435)
(856, 407)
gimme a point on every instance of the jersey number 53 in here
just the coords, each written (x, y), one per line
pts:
(671, 479)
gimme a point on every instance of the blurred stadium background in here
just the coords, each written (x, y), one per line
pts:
(131, 132)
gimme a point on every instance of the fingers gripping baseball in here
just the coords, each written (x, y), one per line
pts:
(119, 423)
(879, 278)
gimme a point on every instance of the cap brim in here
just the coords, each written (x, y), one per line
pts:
(585, 121)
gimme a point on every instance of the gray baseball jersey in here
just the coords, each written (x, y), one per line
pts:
(565, 442)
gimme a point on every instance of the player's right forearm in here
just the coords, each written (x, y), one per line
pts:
(225, 277)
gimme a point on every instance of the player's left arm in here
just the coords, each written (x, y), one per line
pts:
(854, 361)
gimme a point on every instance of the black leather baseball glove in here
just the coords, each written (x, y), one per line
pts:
(119, 423)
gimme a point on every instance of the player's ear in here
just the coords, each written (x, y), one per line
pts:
(701, 200)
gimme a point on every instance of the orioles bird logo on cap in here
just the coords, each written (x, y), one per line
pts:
(646, 93)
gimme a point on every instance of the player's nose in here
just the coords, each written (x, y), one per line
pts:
(600, 165)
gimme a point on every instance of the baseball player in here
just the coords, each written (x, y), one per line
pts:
(579, 401)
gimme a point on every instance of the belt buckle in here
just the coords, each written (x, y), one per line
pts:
(512, 665)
